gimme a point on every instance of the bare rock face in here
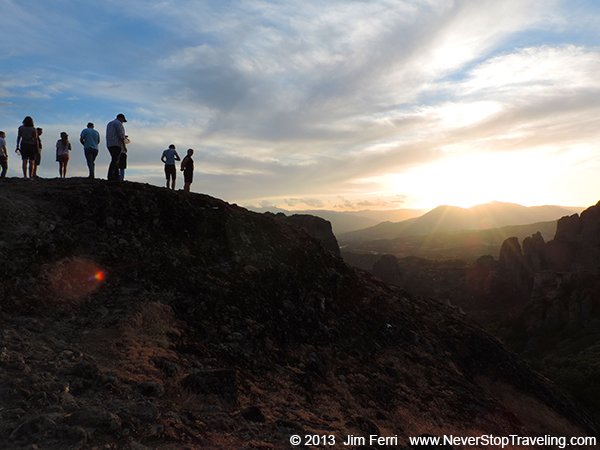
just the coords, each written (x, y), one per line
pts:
(576, 245)
(513, 267)
(318, 228)
(589, 251)
(204, 325)
(533, 252)
(511, 258)
(568, 228)
(560, 255)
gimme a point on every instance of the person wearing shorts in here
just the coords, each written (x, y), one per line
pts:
(169, 156)
(27, 146)
(63, 147)
(187, 167)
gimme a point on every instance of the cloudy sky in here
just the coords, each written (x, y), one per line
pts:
(322, 104)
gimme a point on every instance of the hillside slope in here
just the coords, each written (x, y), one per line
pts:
(134, 317)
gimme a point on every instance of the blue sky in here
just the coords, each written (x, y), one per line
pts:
(337, 104)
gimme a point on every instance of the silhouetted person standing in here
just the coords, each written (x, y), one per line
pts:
(169, 156)
(115, 142)
(38, 155)
(187, 166)
(27, 145)
(90, 139)
(123, 160)
(63, 147)
(3, 155)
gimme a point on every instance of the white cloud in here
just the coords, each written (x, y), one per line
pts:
(303, 99)
(545, 71)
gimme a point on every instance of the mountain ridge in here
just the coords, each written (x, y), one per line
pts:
(346, 221)
(445, 219)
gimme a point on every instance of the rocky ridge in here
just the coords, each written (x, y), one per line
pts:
(136, 317)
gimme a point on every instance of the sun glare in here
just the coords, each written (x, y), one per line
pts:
(468, 180)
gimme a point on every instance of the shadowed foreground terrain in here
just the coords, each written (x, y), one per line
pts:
(136, 317)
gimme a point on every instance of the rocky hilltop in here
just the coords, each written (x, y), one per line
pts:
(136, 317)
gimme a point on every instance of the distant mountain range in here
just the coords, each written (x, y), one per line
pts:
(448, 219)
(347, 221)
(465, 245)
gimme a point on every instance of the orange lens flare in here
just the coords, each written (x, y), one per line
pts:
(73, 278)
(99, 276)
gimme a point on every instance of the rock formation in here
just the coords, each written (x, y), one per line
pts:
(318, 228)
(534, 257)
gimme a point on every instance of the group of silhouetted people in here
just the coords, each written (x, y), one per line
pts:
(169, 156)
(29, 146)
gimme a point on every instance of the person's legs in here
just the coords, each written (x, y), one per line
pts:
(170, 171)
(24, 168)
(89, 161)
(37, 161)
(4, 166)
(90, 158)
(188, 177)
(122, 166)
(113, 168)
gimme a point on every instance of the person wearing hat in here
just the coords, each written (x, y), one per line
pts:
(90, 139)
(63, 147)
(115, 142)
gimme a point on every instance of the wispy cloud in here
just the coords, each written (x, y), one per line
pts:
(307, 100)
